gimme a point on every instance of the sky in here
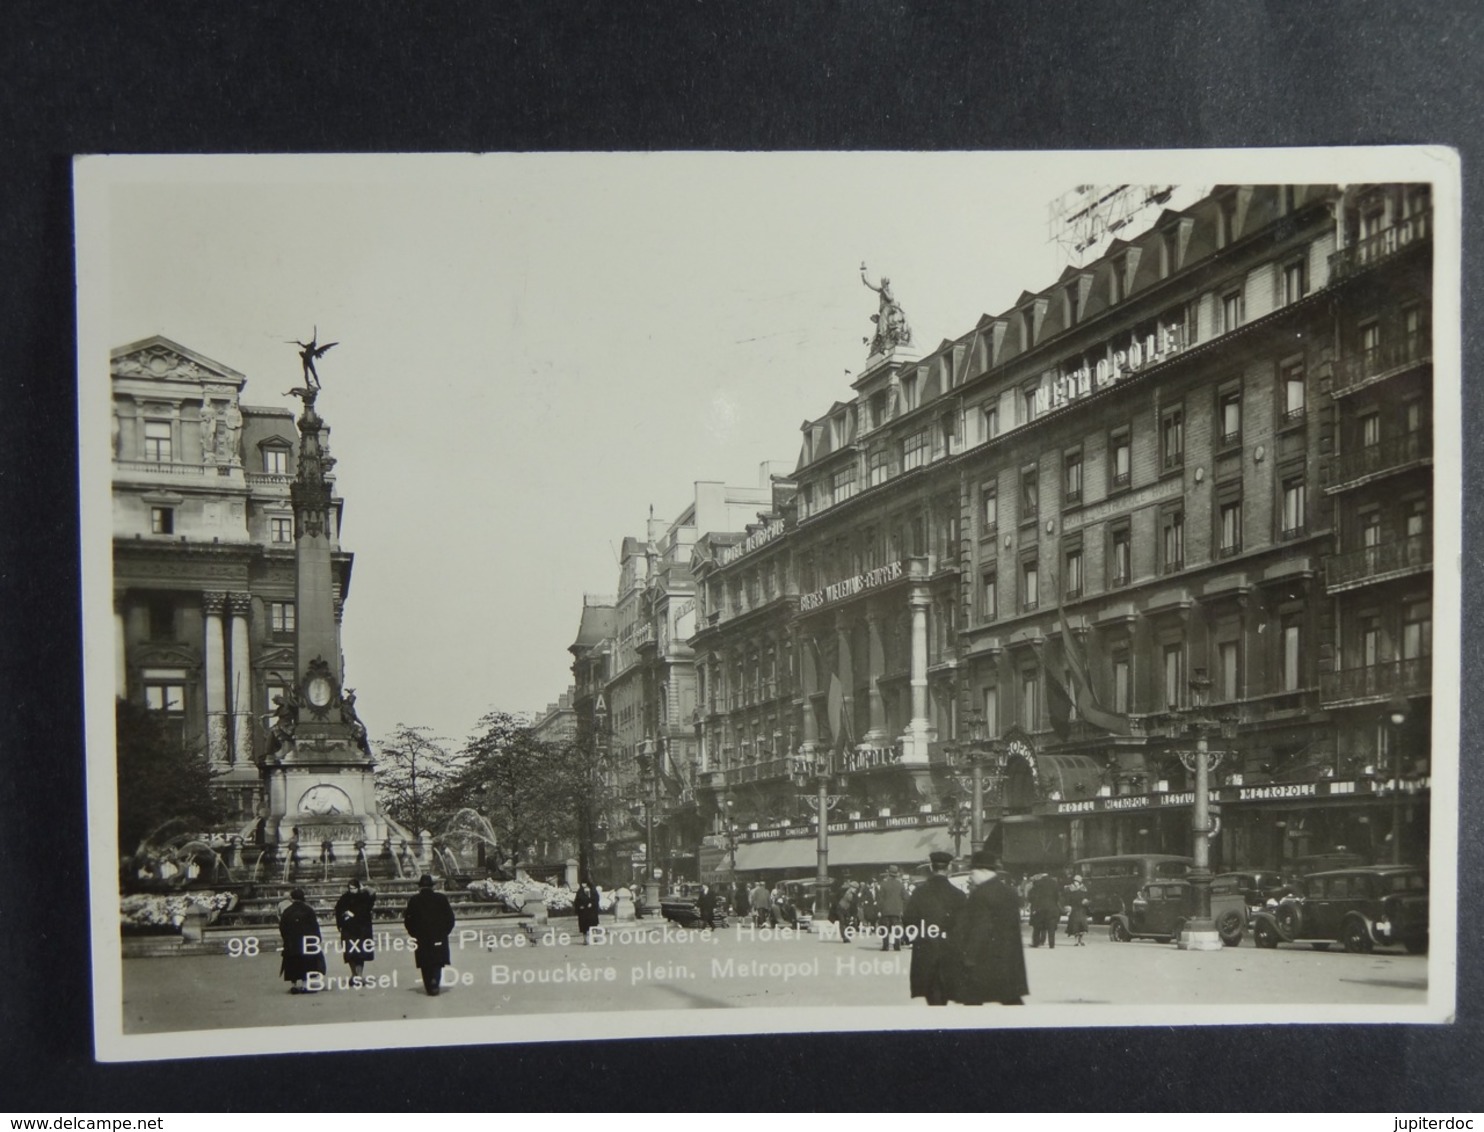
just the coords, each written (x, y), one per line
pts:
(534, 350)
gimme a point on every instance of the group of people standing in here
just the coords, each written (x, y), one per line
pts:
(966, 948)
(428, 918)
(1047, 899)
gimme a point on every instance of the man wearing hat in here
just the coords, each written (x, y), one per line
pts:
(298, 924)
(929, 912)
(891, 901)
(985, 940)
(429, 921)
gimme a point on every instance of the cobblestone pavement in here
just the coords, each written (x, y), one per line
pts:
(497, 973)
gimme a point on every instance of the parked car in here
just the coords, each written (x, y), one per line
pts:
(1258, 887)
(1114, 882)
(681, 907)
(1359, 908)
(1161, 909)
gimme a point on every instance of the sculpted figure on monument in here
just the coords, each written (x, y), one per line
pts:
(285, 715)
(308, 353)
(348, 715)
(891, 321)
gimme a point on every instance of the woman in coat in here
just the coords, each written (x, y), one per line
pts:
(585, 902)
(357, 927)
(298, 924)
(1076, 898)
(985, 937)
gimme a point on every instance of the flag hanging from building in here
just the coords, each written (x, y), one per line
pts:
(1080, 692)
(839, 724)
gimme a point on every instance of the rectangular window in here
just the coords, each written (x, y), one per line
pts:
(1072, 480)
(162, 520)
(1291, 643)
(1121, 682)
(1073, 584)
(1229, 519)
(1295, 281)
(1370, 529)
(991, 711)
(1073, 304)
(880, 464)
(281, 530)
(1174, 670)
(1230, 413)
(276, 461)
(1173, 543)
(1294, 501)
(281, 616)
(915, 450)
(1370, 430)
(1121, 559)
(1169, 247)
(1030, 699)
(989, 510)
(1231, 311)
(1370, 641)
(1030, 589)
(845, 483)
(1370, 346)
(157, 441)
(1030, 494)
(1416, 521)
(166, 698)
(909, 392)
(1226, 657)
(989, 604)
(1120, 458)
(1416, 630)
(1414, 416)
(1172, 436)
(1294, 399)
(991, 421)
(1028, 398)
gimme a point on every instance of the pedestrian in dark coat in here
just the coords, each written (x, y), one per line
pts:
(984, 936)
(930, 910)
(891, 903)
(429, 920)
(706, 906)
(303, 946)
(1076, 899)
(1045, 909)
(357, 926)
(585, 903)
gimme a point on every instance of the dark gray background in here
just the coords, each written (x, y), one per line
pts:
(387, 77)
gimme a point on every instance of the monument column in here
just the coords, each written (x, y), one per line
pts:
(213, 605)
(240, 605)
(919, 730)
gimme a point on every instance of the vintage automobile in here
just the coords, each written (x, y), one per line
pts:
(681, 907)
(1161, 908)
(1259, 887)
(1359, 908)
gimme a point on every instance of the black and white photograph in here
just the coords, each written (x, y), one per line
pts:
(540, 597)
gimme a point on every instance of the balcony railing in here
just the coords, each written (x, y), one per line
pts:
(1374, 563)
(1388, 456)
(1384, 359)
(1412, 677)
(764, 771)
(1382, 245)
(160, 468)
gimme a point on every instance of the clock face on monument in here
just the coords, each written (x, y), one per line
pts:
(319, 692)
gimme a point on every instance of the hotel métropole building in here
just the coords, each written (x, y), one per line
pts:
(1196, 469)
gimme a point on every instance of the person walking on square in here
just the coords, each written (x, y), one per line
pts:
(1076, 898)
(585, 903)
(1045, 909)
(357, 927)
(891, 903)
(706, 907)
(930, 909)
(760, 902)
(984, 940)
(429, 921)
(298, 924)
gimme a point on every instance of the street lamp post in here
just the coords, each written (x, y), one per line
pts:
(1397, 714)
(1200, 932)
(981, 751)
(648, 768)
(821, 802)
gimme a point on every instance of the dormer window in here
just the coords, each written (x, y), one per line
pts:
(276, 461)
(1074, 305)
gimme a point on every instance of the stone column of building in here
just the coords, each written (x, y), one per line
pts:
(120, 651)
(240, 605)
(919, 730)
(808, 659)
(875, 666)
(215, 654)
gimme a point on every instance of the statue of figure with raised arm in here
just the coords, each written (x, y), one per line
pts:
(308, 353)
(891, 322)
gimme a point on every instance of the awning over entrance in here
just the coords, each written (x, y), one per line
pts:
(906, 847)
(1076, 776)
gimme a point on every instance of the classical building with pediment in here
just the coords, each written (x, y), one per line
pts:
(204, 555)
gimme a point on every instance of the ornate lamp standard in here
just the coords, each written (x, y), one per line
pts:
(1396, 713)
(649, 770)
(821, 802)
(981, 752)
(961, 825)
(1200, 930)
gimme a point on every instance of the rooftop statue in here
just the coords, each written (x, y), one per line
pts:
(312, 350)
(891, 323)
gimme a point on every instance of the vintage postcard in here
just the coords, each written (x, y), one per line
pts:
(550, 596)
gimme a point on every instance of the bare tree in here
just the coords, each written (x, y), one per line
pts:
(517, 781)
(414, 778)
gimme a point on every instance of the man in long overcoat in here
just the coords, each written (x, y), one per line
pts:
(984, 937)
(891, 904)
(930, 910)
(585, 903)
(429, 920)
(1045, 909)
(357, 926)
(298, 924)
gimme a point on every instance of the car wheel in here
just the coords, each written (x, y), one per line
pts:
(1289, 920)
(1320, 946)
(1231, 925)
(1356, 937)
(1264, 934)
(1118, 932)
